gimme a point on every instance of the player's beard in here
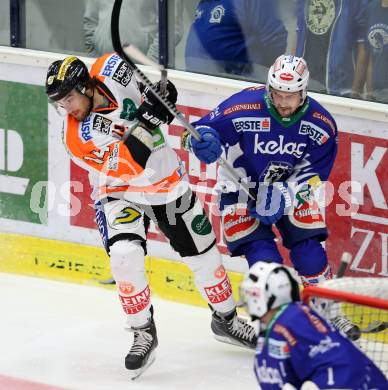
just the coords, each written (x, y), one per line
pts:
(81, 114)
(285, 112)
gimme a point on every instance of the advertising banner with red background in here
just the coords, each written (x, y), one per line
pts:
(356, 211)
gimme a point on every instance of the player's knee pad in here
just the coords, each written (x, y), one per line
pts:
(126, 259)
(262, 250)
(310, 260)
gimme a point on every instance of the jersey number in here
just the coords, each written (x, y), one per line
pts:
(99, 159)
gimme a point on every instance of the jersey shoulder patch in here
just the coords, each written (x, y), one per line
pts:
(112, 66)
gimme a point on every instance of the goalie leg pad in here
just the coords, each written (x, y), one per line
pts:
(127, 266)
(212, 280)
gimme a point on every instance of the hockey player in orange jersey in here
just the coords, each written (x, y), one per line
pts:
(112, 130)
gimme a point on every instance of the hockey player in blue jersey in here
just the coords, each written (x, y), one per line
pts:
(275, 136)
(283, 144)
(296, 347)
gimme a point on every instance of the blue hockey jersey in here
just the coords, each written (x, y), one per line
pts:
(298, 345)
(267, 148)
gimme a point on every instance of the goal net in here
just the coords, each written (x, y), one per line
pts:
(363, 302)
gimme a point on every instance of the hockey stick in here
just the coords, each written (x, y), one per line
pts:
(116, 42)
(346, 258)
(375, 327)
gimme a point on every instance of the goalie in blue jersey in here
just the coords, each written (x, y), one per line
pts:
(283, 144)
(296, 348)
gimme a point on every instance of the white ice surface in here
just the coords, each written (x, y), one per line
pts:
(73, 336)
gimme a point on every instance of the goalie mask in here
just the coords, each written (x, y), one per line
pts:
(267, 286)
(64, 76)
(288, 74)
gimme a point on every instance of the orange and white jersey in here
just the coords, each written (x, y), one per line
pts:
(97, 144)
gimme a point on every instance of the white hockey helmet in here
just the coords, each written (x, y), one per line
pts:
(267, 286)
(288, 74)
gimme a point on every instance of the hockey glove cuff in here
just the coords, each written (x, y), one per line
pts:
(152, 113)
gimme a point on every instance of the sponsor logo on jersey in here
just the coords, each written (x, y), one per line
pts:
(122, 74)
(129, 110)
(242, 107)
(201, 225)
(314, 132)
(278, 147)
(158, 139)
(84, 130)
(238, 224)
(255, 88)
(110, 64)
(136, 303)
(318, 324)
(276, 171)
(324, 346)
(278, 328)
(325, 119)
(306, 212)
(278, 349)
(113, 159)
(216, 14)
(252, 124)
(268, 374)
(101, 124)
(220, 292)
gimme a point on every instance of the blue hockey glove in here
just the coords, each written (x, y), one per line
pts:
(271, 204)
(208, 149)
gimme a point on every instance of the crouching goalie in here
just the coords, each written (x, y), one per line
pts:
(296, 347)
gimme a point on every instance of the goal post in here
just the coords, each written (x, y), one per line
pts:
(364, 302)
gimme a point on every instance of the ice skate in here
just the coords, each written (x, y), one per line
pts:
(142, 352)
(346, 327)
(332, 311)
(233, 330)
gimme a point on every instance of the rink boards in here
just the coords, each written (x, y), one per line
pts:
(43, 195)
(84, 264)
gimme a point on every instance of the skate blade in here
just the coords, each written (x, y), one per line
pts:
(228, 340)
(135, 374)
